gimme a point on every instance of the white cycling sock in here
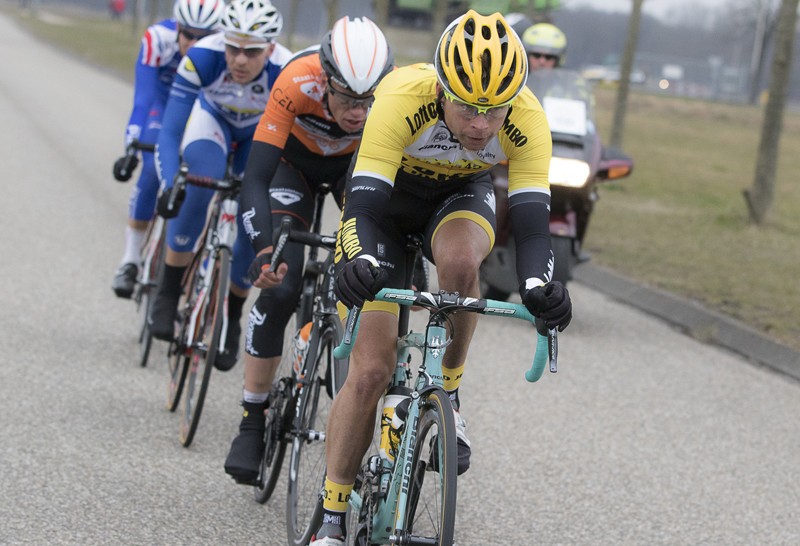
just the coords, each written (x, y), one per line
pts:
(133, 245)
(254, 397)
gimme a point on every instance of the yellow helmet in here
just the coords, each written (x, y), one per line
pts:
(545, 39)
(480, 60)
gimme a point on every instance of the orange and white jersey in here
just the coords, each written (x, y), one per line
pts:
(296, 107)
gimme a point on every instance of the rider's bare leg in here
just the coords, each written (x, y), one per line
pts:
(459, 247)
(352, 418)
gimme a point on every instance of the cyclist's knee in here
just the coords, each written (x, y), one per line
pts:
(368, 379)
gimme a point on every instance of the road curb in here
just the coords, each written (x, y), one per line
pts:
(694, 320)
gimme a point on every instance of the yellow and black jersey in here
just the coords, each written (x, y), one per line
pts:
(408, 149)
(404, 134)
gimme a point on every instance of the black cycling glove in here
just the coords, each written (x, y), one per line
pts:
(550, 303)
(360, 280)
(124, 167)
(162, 206)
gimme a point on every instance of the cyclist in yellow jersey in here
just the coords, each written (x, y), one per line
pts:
(431, 137)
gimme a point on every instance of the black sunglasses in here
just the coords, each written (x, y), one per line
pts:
(546, 56)
(194, 34)
(351, 101)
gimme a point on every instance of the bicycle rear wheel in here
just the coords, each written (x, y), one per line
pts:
(431, 509)
(307, 463)
(207, 339)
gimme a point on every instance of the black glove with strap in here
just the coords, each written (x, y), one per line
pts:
(162, 206)
(360, 280)
(550, 303)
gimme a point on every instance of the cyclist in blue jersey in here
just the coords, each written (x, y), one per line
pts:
(219, 94)
(163, 46)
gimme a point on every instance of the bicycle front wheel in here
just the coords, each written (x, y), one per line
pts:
(210, 315)
(279, 419)
(307, 463)
(145, 337)
(431, 509)
(146, 284)
(178, 370)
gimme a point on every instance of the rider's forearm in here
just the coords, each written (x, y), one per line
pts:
(169, 140)
(531, 227)
(255, 206)
(144, 95)
(366, 201)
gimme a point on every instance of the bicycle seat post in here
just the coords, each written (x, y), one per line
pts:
(413, 252)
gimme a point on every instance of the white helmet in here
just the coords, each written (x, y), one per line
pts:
(252, 19)
(355, 54)
(199, 14)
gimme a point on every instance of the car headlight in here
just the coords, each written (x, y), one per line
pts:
(572, 173)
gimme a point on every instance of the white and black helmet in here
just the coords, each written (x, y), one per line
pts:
(252, 19)
(199, 14)
(355, 54)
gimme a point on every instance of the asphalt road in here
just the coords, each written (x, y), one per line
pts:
(645, 436)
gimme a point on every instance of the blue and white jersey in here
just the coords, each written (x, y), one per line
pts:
(203, 75)
(159, 56)
(204, 70)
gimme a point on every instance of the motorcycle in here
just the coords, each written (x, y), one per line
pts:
(579, 163)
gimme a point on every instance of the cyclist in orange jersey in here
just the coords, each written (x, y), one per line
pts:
(307, 136)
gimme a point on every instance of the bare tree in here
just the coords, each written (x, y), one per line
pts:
(382, 13)
(760, 196)
(625, 74)
(766, 22)
(332, 7)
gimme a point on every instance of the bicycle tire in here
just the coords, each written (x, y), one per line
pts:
(307, 462)
(204, 350)
(178, 369)
(279, 420)
(145, 336)
(178, 355)
(431, 509)
(144, 299)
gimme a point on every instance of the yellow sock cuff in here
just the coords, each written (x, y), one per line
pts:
(452, 377)
(336, 496)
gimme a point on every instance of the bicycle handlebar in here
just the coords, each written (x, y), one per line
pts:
(286, 234)
(184, 177)
(546, 346)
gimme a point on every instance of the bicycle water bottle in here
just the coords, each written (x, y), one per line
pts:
(300, 348)
(395, 409)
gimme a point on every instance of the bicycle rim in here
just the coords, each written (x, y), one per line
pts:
(276, 436)
(206, 345)
(143, 298)
(145, 337)
(178, 369)
(307, 464)
(178, 355)
(431, 509)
